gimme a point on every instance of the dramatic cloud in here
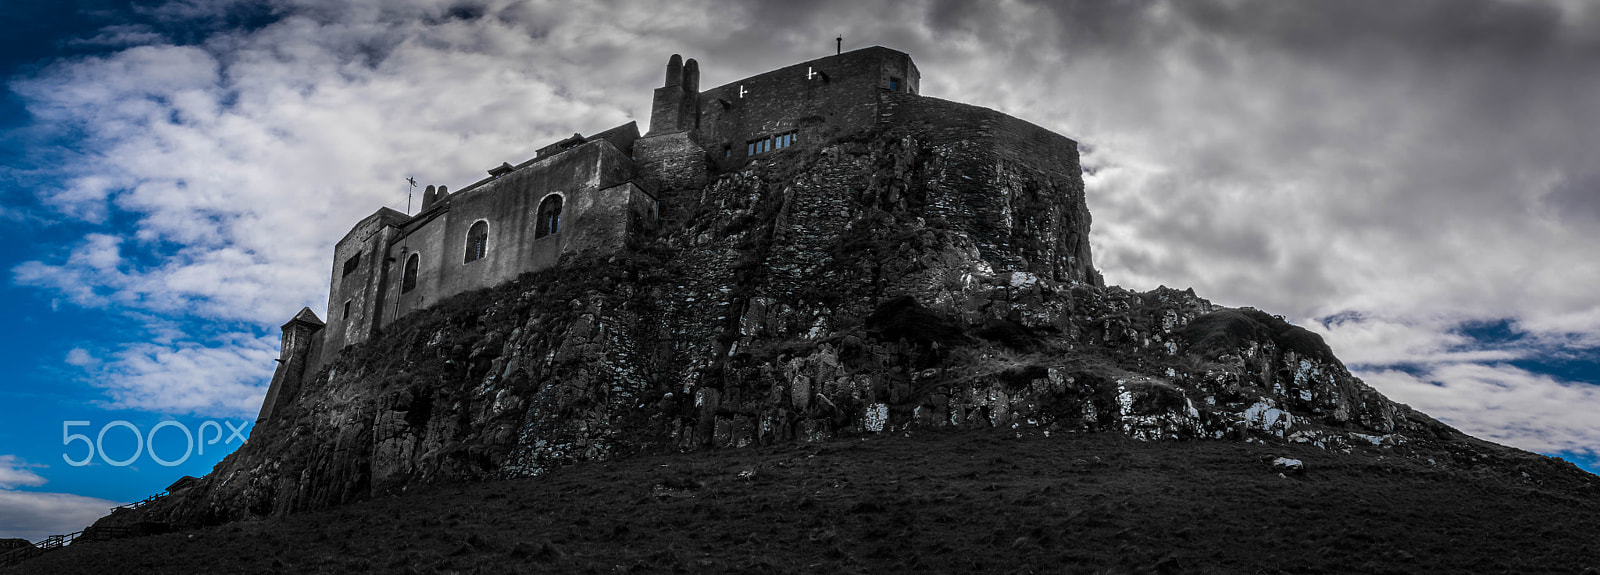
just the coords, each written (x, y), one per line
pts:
(32, 516)
(1503, 404)
(1397, 170)
(226, 378)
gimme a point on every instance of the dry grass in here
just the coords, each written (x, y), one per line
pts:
(935, 502)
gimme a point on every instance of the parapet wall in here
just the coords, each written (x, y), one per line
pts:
(822, 99)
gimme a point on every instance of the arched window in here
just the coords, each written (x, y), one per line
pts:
(408, 280)
(477, 241)
(549, 216)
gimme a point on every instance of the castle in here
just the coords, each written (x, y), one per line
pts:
(590, 194)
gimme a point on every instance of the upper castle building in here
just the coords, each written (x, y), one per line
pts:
(590, 194)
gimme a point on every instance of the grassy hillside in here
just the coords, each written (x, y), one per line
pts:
(934, 501)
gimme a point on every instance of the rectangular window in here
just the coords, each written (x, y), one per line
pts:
(783, 140)
(894, 84)
(346, 310)
(771, 143)
(727, 151)
(351, 264)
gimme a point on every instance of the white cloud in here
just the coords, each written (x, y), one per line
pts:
(1414, 341)
(246, 158)
(32, 515)
(225, 379)
(1502, 404)
(122, 35)
(15, 473)
(80, 357)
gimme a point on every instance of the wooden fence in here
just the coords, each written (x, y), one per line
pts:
(53, 542)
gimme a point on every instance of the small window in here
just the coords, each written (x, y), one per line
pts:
(894, 84)
(350, 265)
(783, 140)
(347, 310)
(408, 280)
(727, 150)
(549, 221)
(477, 242)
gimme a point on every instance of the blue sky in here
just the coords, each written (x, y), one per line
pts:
(1415, 181)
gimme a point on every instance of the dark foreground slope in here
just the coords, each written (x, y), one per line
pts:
(936, 501)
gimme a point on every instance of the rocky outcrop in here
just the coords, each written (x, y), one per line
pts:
(868, 286)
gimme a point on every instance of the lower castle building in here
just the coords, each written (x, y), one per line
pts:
(590, 194)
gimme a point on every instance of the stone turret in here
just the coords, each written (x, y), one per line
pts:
(668, 156)
(674, 71)
(301, 338)
(691, 77)
(428, 197)
(676, 104)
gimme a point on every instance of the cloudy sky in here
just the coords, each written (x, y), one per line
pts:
(1418, 181)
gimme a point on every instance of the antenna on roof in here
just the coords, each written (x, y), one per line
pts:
(838, 46)
(411, 188)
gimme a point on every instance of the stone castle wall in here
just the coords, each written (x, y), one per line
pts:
(591, 175)
(1019, 193)
(1013, 188)
(358, 284)
(695, 132)
(822, 99)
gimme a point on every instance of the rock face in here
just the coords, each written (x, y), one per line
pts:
(900, 279)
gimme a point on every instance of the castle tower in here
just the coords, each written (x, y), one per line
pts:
(297, 333)
(300, 339)
(676, 104)
(668, 157)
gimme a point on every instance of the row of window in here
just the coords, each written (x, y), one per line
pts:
(770, 143)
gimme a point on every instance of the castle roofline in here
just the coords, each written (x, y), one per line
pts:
(385, 215)
(813, 62)
(576, 141)
(623, 134)
(306, 316)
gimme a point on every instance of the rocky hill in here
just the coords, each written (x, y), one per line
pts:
(895, 281)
